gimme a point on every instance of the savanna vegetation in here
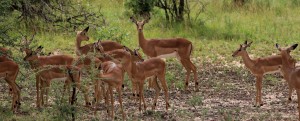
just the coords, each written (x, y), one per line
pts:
(215, 27)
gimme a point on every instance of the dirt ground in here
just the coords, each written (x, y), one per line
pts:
(226, 93)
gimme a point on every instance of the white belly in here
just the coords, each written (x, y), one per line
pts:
(59, 79)
(174, 54)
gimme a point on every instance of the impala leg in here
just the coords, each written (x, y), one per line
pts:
(84, 91)
(16, 92)
(97, 90)
(111, 101)
(165, 88)
(258, 90)
(119, 90)
(290, 93)
(191, 67)
(106, 98)
(38, 81)
(298, 97)
(47, 88)
(188, 73)
(157, 90)
(42, 91)
(140, 94)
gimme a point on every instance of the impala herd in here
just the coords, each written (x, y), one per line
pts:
(111, 60)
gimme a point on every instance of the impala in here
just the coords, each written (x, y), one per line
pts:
(83, 50)
(9, 71)
(37, 62)
(141, 70)
(179, 47)
(113, 76)
(290, 72)
(259, 67)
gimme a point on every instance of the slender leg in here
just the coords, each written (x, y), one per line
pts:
(188, 73)
(258, 89)
(111, 101)
(165, 88)
(120, 101)
(38, 81)
(290, 93)
(140, 93)
(157, 90)
(298, 97)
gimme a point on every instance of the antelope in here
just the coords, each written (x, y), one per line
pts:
(259, 67)
(83, 50)
(179, 47)
(290, 72)
(141, 70)
(9, 71)
(41, 61)
(116, 57)
(113, 76)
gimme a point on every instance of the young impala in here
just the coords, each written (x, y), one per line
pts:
(259, 67)
(139, 71)
(59, 65)
(290, 72)
(175, 47)
(83, 50)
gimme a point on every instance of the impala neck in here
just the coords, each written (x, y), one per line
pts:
(247, 60)
(127, 66)
(287, 67)
(78, 43)
(142, 40)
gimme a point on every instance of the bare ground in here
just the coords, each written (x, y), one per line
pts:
(226, 93)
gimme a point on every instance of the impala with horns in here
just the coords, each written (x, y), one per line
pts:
(175, 47)
(259, 67)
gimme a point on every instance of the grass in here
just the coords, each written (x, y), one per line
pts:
(215, 34)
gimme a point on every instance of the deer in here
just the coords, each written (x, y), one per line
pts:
(9, 71)
(139, 71)
(260, 67)
(49, 71)
(180, 48)
(83, 50)
(290, 72)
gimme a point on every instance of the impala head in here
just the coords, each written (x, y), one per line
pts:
(82, 35)
(135, 54)
(32, 55)
(241, 49)
(98, 46)
(140, 24)
(285, 53)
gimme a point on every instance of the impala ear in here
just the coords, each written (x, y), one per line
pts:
(249, 44)
(86, 29)
(39, 49)
(277, 46)
(293, 47)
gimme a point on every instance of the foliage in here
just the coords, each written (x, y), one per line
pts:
(140, 7)
(113, 33)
